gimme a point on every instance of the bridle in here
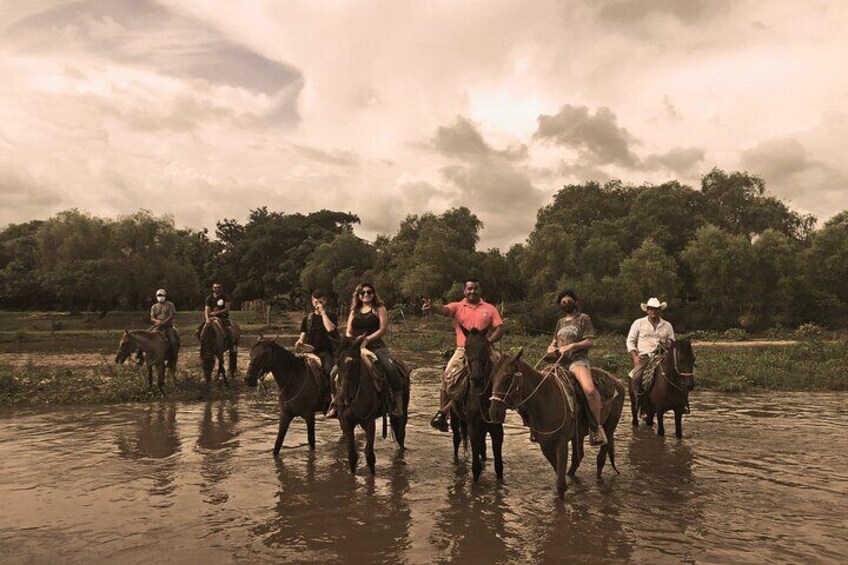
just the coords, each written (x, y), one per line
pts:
(676, 370)
(518, 377)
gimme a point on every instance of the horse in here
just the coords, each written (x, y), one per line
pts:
(157, 351)
(549, 401)
(469, 411)
(301, 395)
(213, 344)
(360, 402)
(673, 379)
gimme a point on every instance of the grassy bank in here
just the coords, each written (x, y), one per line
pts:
(810, 365)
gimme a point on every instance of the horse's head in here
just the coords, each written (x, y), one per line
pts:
(261, 360)
(348, 363)
(684, 363)
(477, 355)
(125, 348)
(506, 380)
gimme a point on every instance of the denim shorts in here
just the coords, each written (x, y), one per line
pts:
(578, 363)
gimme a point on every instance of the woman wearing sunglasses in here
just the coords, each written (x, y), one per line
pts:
(368, 317)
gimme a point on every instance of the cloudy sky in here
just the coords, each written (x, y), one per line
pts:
(205, 110)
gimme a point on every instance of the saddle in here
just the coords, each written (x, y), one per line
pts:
(316, 369)
(574, 392)
(369, 359)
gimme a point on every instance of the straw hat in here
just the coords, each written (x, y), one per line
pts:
(653, 303)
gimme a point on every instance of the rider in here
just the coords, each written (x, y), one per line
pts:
(368, 317)
(162, 316)
(217, 306)
(573, 337)
(472, 312)
(318, 329)
(644, 337)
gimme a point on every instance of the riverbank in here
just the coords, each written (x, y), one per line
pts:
(76, 365)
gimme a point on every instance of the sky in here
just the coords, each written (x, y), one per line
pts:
(205, 110)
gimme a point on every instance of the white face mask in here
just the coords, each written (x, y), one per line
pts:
(160, 299)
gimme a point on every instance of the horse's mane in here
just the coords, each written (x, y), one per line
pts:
(288, 360)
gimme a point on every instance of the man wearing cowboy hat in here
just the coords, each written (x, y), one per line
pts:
(644, 337)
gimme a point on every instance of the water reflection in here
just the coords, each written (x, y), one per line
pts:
(155, 437)
(323, 512)
(217, 444)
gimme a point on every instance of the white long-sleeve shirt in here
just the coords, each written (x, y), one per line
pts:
(644, 337)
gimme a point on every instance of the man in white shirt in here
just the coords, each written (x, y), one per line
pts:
(644, 337)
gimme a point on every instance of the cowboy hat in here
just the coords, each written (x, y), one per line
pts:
(653, 303)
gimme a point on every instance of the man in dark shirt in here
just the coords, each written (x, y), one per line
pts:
(317, 329)
(217, 305)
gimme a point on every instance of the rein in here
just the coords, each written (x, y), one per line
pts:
(676, 370)
(356, 397)
(518, 375)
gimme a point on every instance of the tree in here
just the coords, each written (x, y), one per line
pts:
(337, 265)
(649, 271)
(721, 264)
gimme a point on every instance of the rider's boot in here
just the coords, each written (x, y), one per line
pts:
(440, 420)
(597, 436)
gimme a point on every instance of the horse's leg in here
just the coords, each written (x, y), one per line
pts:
(678, 423)
(561, 464)
(221, 371)
(496, 432)
(352, 455)
(172, 367)
(233, 361)
(478, 438)
(549, 451)
(575, 455)
(310, 429)
(370, 432)
(457, 437)
(285, 420)
(634, 409)
(660, 425)
(483, 446)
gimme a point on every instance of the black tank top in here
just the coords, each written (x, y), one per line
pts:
(366, 323)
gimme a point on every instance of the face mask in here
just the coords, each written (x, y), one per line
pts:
(569, 307)
(160, 299)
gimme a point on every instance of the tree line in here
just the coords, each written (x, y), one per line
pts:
(725, 255)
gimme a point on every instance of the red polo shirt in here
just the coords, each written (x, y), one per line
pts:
(480, 316)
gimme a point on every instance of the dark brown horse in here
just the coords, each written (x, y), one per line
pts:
(213, 345)
(361, 403)
(157, 353)
(300, 394)
(549, 401)
(672, 382)
(471, 411)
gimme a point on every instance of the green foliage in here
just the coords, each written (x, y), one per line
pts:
(649, 271)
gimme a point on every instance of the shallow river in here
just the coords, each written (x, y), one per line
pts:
(194, 483)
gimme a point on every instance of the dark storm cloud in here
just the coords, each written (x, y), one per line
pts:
(597, 136)
(146, 34)
(686, 11)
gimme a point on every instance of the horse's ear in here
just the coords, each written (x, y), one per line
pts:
(462, 329)
(360, 339)
(276, 337)
(126, 332)
(518, 355)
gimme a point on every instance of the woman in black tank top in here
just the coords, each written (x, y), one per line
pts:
(368, 317)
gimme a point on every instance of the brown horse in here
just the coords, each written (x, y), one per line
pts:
(470, 412)
(673, 380)
(213, 345)
(361, 403)
(549, 401)
(157, 352)
(300, 394)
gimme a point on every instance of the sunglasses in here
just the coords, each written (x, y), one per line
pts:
(366, 293)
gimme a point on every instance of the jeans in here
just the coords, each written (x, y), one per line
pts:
(392, 372)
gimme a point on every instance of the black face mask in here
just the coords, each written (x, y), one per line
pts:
(569, 307)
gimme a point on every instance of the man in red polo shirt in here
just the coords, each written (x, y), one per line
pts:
(471, 313)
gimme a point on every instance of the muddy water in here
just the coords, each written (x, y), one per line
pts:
(188, 483)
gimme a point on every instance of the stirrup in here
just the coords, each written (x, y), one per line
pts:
(598, 437)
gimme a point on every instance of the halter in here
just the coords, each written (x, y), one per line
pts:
(519, 376)
(263, 372)
(356, 396)
(676, 370)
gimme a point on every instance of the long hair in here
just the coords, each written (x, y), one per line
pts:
(356, 302)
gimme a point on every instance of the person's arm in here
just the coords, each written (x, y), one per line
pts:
(302, 338)
(153, 318)
(226, 308)
(206, 313)
(632, 343)
(170, 318)
(496, 329)
(670, 331)
(496, 335)
(582, 344)
(384, 326)
(349, 327)
(445, 311)
(329, 323)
